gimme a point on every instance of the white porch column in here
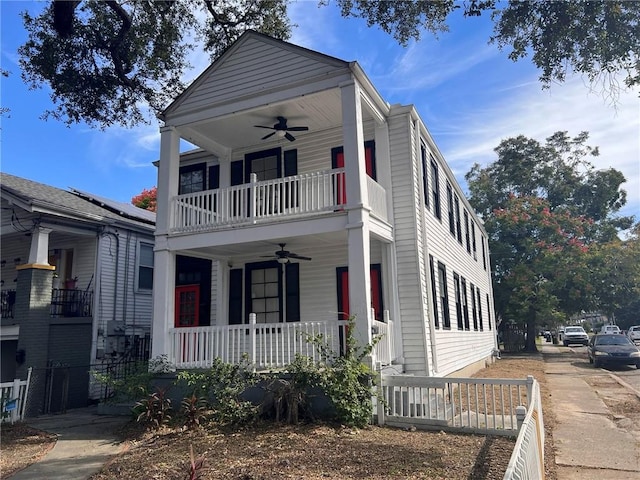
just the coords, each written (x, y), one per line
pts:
(39, 252)
(164, 274)
(358, 212)
(168, 170)
(164, 259)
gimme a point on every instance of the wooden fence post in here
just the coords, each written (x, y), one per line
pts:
(252, 334)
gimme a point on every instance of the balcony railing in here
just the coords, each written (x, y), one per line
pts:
(255, 202)
(264, 345)
(71, 303)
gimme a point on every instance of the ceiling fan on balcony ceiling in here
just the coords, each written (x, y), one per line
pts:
(281, 129)
(284, 256)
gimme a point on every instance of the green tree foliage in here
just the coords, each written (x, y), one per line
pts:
(544, 208)
(615, 271)
(105, 61)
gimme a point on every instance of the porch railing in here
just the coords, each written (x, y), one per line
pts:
(377, 198)
(298, 195)
(71, 303)
(264, 345)
(304, 194)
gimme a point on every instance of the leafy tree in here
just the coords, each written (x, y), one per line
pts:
(146, 199)
(129, 55)
(103, 58)
(544, 207)
(615, 270)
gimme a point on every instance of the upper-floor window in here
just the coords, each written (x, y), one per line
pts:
(456, 203)
(484, 252)
(192, 178)
(425, 174)
(473, 240)
(435, 189)
(466, 231)
(452, 221)
(145, 266)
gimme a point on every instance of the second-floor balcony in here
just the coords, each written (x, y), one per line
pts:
(267, 201)
(64, 303)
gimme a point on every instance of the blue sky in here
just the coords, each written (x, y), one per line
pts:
(467, 92)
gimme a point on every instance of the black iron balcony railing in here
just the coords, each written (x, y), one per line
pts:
(71, 303)
(7, 303)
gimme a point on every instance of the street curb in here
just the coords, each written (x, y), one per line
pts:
(625, 385)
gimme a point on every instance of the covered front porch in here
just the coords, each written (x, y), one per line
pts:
(261, 301)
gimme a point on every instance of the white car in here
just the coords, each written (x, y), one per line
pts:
(610, 329)
(634, 333)
(575, 335)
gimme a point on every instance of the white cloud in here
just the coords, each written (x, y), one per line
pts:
(471, 136)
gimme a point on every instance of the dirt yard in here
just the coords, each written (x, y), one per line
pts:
(320, 451)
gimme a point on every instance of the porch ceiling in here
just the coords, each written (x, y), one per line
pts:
(234, 130)
(305, 246)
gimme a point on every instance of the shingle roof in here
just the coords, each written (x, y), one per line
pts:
(41, 196)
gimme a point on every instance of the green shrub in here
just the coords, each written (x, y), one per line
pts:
(223, 385)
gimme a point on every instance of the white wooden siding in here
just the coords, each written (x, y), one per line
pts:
(120, 310)
(255, 67)
(458, 348)
(403, 174)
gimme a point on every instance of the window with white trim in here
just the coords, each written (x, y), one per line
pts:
(145, 266)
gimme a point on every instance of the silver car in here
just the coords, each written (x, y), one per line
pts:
(634, 333)
(574, 335)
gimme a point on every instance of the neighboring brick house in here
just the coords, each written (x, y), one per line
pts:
(77, 277)
(308, 200)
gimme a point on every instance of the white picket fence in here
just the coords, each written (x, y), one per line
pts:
(527, 459)
(484, 406)
(14, 398)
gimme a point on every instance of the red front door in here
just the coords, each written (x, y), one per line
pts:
(187, 306)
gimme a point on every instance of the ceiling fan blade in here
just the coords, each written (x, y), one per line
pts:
(298, 129)
(289, 137)
(298, 257)
(268, 135)
(262, 126)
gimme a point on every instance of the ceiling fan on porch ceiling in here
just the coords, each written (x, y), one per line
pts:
(284, 256)
(281, 129)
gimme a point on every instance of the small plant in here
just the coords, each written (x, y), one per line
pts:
(194, 410)
(155, 409)
(195, 465)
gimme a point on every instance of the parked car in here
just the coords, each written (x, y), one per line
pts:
(610, 329)
(575, 335)
(612, 349)
(634, 333)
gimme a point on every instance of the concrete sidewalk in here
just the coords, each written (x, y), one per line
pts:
(86, 441)
(589, 444)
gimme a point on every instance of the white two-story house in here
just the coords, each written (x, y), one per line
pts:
(310, 200)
